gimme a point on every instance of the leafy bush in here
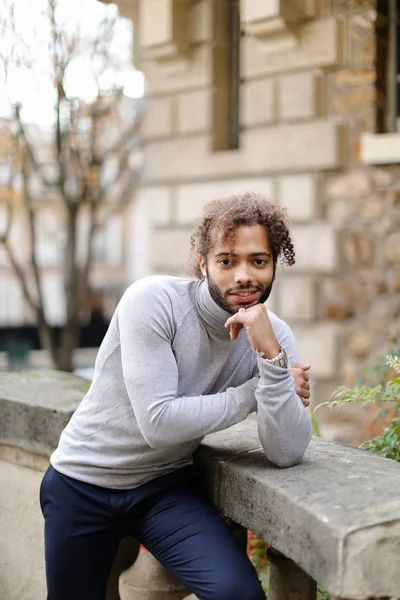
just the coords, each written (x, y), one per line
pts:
(377, 385)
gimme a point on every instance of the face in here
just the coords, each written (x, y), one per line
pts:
(240, 273)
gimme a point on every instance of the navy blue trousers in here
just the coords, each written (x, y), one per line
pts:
(170, 516)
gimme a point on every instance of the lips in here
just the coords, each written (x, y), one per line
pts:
(244, 296)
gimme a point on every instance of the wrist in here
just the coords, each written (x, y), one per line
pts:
(269, 351)
(279, 360)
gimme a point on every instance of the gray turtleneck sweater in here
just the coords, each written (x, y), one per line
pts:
(166, 375)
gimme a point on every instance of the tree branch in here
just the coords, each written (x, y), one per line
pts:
(18, 270)
(22, 135)
(85, 273)
(9, 217)
(32, 250)
(124, 200)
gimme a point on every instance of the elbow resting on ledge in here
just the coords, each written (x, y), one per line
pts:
(283, 462)
(285, 457)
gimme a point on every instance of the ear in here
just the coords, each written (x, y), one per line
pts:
(202, 266)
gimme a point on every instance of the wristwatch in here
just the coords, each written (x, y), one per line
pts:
(280, 360)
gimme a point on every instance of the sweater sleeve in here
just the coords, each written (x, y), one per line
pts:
(284, 425)
(150, 374)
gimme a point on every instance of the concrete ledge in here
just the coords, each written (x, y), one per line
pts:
(337, 514)
(35, 406)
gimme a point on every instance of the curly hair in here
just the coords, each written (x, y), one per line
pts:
(225, 215)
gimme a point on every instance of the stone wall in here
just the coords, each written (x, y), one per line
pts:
(307, 92)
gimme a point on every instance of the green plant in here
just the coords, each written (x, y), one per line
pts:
(379, 386)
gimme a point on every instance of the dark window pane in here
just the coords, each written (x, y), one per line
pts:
(398, 99)
(234, 73)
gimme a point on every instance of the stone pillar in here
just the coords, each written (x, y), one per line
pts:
(287, 581)
(147, 579)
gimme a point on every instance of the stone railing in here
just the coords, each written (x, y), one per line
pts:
(334, 519)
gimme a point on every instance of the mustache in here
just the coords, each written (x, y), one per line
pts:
(241, 288)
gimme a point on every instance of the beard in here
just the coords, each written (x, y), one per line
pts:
(219, 297)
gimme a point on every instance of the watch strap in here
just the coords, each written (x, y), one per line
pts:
(280, 360)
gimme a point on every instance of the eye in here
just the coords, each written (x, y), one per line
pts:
(225, 262)
(260, 262)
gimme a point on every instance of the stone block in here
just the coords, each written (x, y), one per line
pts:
(380, 149)
(258, 102)
(155, 31)
(200, 18)
(169, 250)
(319, 44)
(371, 209)
(316, 247)
(339, 212)
(296, 298)
(349, 77)
(296, 146)
(138, 228)
(382, 177)
(362, 39)
(270, 149)
(360, 343)
(157, 202)
(159, 118)
(338, 310)
(396, 282)
(298, 193)
(300, 96)
(276, 20)
(318, 346)
(354, 184)
(359, 249)
(194, 112)
(193, 73)
(347, 100)
(166, 38)
(257, 11)
(392, 249)
(191, 198)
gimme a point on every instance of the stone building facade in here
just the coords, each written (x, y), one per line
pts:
(280, 97)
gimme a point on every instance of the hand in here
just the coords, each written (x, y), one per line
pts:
(258, 328)
(301, 382)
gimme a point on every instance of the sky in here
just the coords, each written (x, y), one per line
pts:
(32, 86)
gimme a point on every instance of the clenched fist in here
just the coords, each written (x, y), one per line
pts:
(301, 381)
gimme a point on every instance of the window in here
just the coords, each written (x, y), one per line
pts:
(233, 74)
(387, 31)
(396, 35)
(226, 75)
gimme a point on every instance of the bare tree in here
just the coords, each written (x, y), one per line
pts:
(87, 167)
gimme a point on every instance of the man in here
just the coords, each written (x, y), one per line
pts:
(182, 358)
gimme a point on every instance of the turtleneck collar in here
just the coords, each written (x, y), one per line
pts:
(212, 315)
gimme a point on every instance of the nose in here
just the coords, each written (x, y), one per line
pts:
(242, 274)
